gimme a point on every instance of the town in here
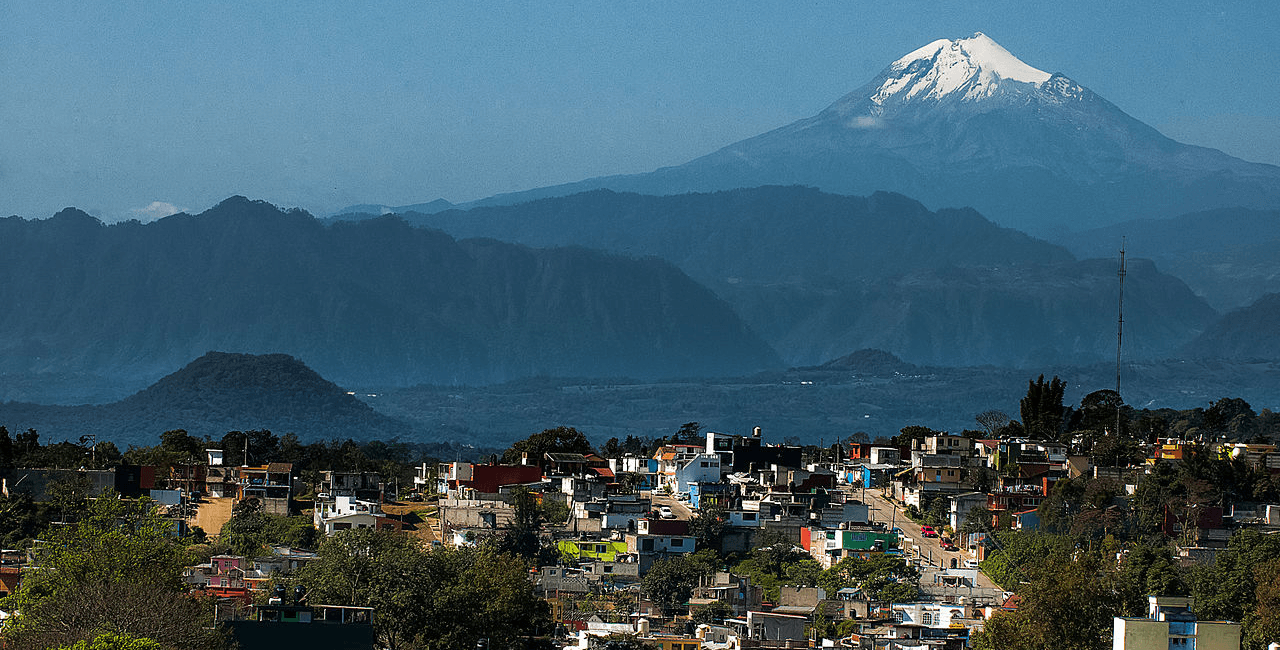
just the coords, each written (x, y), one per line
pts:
(990, 538)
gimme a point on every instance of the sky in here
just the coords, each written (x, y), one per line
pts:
(136, 109)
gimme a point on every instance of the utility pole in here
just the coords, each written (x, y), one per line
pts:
(1119, 332)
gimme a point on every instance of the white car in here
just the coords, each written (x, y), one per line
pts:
(665, 512)
(970, 564)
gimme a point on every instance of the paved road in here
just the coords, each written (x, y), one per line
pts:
(930, 549)
(678, 508)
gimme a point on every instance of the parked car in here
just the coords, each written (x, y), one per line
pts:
(970, 564)
(950, 547)
(665, 512)
(928, 531)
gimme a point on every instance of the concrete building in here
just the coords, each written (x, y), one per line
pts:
(1171, 625)
(349, 512)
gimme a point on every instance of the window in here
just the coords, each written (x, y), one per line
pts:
(926, 618)
(608, 568)
(706, 464)
(676, 541)
(749, 516)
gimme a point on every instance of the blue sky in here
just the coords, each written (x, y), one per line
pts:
(126, 108)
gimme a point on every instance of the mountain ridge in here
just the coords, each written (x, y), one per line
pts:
(371, 302)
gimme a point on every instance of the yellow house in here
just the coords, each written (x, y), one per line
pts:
(603, 550)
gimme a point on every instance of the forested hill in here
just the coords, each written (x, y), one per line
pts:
(370, 303)
(217, 393)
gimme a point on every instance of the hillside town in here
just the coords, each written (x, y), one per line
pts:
(931, 540)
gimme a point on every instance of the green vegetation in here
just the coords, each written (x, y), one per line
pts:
(428, 598)
(884, 578)
(114, 570)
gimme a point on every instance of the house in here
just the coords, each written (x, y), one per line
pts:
(828, 547)
(933, 625)
(773, 626)
(644, 469)
(1171, 624)
(671, 458)
(10, 571)
(747, 454)
(1026, 520)
(271, 484)
(731, 589)
(651, 548)
(564, 464)
(885, 456)
(623, 511)
(625, 570)
(964, 502)
(704, 494)
(362, 485)
(467, 479)
(345, 513)
(598, 550)
(223, 576)
(561, 579)
(698, 468)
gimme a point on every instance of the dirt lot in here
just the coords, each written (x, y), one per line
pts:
(211, 514)
(419, 519)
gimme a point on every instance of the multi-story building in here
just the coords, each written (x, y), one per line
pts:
(271, 484)
(1171, 625)
(343, 513)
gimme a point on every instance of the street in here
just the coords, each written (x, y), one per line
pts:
(930, 548)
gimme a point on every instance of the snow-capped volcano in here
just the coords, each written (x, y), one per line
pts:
(971, 68)
(966, 123)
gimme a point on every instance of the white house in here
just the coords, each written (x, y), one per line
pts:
(701, 468)
(349, 512)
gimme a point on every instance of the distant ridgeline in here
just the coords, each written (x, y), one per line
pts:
(370, 303)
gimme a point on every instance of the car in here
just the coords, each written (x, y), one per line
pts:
(950, 547)
(970, 564)
(928, 531)
(665, 512)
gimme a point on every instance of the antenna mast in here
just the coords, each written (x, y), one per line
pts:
(1119, 332)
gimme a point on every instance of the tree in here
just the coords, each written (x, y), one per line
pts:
(992, 421)
(1067, 604)
(712, 613)
(114, 570)
(1262, 625)
(708, 526)
(912, 433)
(522, 539)
(437, 598)
(670, 582)
(557, 440)
(689, 432)
(977, 520)
(378, 569)
(113, 641)
(1042, 409)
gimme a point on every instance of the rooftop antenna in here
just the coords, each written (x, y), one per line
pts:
(1119, 332)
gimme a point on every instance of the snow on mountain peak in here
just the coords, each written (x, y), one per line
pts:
(974, 66)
